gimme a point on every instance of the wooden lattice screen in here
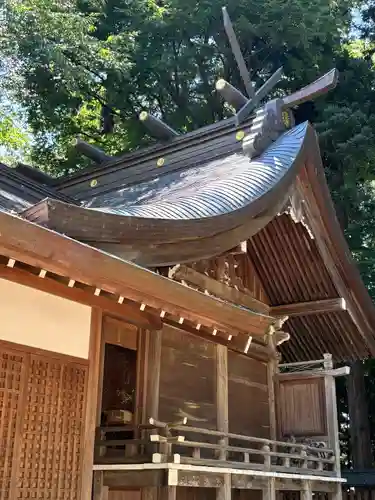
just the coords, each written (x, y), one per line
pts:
(42, 400)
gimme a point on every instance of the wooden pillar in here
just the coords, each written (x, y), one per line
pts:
(332, 418)
(153, 374)
(93, 395)
(222, 413)
(272, 368)
(100, 492)
(269, 492)
(306, 491)
(152, 357)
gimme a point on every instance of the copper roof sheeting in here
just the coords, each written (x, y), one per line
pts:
(158, 222)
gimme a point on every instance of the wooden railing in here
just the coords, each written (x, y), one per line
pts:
(162, 442)
(124, 444)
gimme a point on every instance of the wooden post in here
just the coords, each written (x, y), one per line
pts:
(269, 492)
(100, 492)
(153, 374)
(93, 395)
(222, 413)
(332, 418)
(153, 342)
(332, 421)
(306, 491)
(272, 368)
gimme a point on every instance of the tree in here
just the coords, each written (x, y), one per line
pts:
(89, 67)
(14, 140)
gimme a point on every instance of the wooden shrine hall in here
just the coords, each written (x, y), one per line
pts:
(172, 319)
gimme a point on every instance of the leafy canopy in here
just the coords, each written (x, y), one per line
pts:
(89, 67)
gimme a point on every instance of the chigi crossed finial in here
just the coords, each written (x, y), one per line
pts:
(232, 95)
(270, 119)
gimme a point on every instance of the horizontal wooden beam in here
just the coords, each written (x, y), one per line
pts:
(217, 289)
(308, 308)
(36, 246)
(133, 478)
(240, 249)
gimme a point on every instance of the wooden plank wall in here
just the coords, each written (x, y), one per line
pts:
(188, 385)
(301, 405)
(124, 495)
(42, 418)
(248, 396)
(187, 379)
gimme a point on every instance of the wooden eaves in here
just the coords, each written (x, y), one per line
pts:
(41, 258)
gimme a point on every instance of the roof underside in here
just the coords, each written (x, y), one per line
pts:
(292, 270)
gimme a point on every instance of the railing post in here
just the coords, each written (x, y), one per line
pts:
(267, 457)
(304, 459)
(332, 419)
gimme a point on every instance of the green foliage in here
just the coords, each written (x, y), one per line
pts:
(14, 141)
(81, 59)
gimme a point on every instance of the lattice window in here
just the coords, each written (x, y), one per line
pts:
(10, 392)
(51, 427)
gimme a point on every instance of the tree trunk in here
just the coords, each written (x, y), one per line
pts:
(360, 437)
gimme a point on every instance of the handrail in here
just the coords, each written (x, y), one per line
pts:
(298, 457)
(229, 435)
(163, 442)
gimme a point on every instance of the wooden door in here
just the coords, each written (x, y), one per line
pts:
(42, 413)
(301, 406)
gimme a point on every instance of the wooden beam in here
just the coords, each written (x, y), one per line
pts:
(40, 247)
(222, 414)
(308, 308)
(200, 480)
(269, 491)
(100, 492)
(331, 413)
(240, 249)
(271, 375)
(153, 374)
(133, 478)
(217, 289)
(91, 403)
(131, 314)
(306, 491)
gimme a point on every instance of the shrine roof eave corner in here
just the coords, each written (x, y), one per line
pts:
(32, 245)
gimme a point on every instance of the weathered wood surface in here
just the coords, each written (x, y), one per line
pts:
(118, 332)
(217, 289)
(34, 245)
(187, 379)
(42, 422)
(162, 233)
(308, 308)
(302, 407)
(248, 396)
